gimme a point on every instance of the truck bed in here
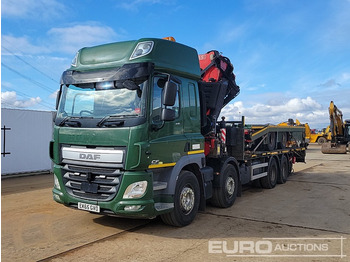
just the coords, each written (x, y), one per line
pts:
(246, 142)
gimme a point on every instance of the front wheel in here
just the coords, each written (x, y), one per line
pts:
(186, 201)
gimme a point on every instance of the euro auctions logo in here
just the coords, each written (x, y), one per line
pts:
(279, 247)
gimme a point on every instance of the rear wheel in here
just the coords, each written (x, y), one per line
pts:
(284, 173)
(270, 180)
(271, 141)
(284, 140)
(186, 201)
(225, 195)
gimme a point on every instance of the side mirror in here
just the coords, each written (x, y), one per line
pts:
(169, 93)
(167, 114)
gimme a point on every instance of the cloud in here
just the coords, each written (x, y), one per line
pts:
(5, 84)
(29, 9)
(53, 95)
(9, 99)
(14, 44)
(345, 76)
(71, 39)
(135, 5)
(330, 83)
(230, 33)
(66, 40)
(306, 110)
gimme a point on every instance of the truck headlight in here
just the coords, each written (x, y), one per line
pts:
(136, 190)
(142, 49)
(56, 183)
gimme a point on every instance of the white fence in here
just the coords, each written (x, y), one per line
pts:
(25, 137)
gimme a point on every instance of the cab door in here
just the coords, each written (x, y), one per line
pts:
(167, 142)
(191, 116)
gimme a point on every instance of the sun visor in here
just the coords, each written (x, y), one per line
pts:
(128, 71)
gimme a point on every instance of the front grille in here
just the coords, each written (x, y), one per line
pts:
(100, 184)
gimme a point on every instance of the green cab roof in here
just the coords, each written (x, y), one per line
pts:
(167, 56)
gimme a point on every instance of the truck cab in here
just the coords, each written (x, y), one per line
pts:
(128, 119)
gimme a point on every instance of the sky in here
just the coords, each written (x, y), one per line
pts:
(291, 57)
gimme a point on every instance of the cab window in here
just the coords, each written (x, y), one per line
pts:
(158, 85)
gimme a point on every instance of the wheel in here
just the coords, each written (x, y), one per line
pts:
(186, 201)
(321, 140)
(225, 195)
(270, 180)
(284, 173)
(284, 139)
(271, 141)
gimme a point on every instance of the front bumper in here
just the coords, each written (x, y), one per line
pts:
(143, 207)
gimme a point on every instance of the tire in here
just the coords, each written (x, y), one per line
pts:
(321, 140)
(271, 141)
(284, 172)
(284, 140)
(270, 180)
(186, 201)
(225, 195)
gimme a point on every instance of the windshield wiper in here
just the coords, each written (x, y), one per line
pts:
(69, 122)
(110, 120)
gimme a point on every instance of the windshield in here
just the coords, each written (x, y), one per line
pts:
(103, 99)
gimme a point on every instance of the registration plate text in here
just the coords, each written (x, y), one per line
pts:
(89, 207)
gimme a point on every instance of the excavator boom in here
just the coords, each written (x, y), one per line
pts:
(339, 129)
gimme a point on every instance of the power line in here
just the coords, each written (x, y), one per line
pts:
(5, 103)
(29, 79)
(21, 52)
(27, 63)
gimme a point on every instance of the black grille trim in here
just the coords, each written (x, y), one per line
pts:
(107, 181)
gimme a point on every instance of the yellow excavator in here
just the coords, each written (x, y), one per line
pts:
(340, 132)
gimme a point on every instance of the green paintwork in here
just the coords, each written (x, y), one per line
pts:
(143, 145)
(134, 139)
(168, 144)
(118, 203)
(167, 56)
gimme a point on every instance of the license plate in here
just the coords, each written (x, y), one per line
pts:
(89, 207)
(89, 188)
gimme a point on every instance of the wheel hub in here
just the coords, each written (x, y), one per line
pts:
(230, 186)
(187, 199)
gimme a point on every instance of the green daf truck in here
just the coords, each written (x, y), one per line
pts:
(137, 134)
